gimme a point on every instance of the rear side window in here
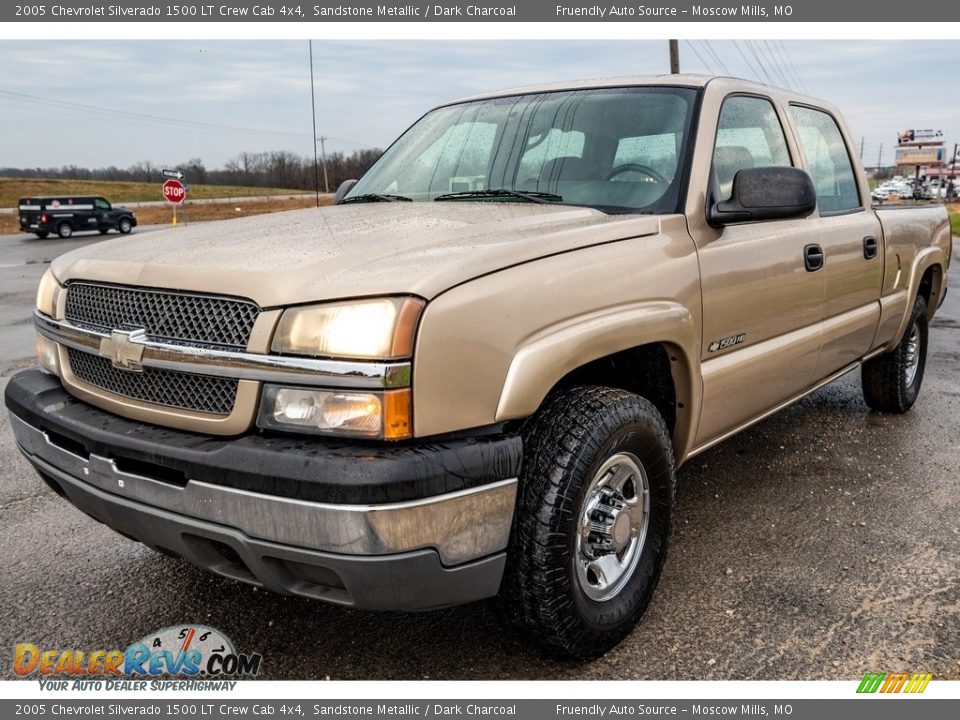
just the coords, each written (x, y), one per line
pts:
(749, 135)
(827, 158)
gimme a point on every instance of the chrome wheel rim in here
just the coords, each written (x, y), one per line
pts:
(912, 358)
(612, 527)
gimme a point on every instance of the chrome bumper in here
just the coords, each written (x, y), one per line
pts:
(460, 526)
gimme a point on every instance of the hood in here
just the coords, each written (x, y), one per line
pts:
(348, 250)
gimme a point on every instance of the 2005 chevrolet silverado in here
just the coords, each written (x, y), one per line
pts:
(476, 373)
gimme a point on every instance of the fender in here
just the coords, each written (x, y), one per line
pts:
(548, 355)
(925, 259)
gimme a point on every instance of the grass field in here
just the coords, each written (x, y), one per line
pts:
(954, 209)
(11, 189)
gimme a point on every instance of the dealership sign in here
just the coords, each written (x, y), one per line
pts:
(931, 155)
(920, 137)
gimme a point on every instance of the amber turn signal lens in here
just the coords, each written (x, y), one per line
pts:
(397, 415)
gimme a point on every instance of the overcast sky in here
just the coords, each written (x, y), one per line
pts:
(116, 103)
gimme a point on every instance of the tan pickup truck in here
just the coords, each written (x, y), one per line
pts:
(476, 374)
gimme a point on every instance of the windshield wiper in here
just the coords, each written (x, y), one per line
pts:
(375, 197)
(528, 195)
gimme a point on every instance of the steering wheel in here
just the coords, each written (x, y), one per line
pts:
(636, 167)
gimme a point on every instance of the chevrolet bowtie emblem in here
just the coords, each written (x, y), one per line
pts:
(124, 349)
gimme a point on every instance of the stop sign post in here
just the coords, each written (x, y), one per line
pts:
(174, 193)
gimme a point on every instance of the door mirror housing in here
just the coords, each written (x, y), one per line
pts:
(765, 193)
(345, 187)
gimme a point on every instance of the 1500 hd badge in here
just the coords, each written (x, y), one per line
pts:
(726, 342)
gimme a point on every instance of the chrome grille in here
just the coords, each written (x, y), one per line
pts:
(167, 316)
(161, 387)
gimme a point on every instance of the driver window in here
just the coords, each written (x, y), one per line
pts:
(749, 135)
(101, 204)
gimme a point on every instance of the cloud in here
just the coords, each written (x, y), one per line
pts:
(368, 92)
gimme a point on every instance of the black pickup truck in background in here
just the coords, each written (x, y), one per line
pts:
(69, 214)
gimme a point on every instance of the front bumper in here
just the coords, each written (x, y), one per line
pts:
(399, 527)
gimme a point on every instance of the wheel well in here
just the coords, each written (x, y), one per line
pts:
(929, 285)
(644, 370)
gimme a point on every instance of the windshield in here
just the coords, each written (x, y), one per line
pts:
(617, 149)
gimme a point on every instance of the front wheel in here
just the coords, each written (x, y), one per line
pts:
(125, 226)
(891, 382)
(593, 520)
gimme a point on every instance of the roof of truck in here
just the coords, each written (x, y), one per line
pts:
(678, 80)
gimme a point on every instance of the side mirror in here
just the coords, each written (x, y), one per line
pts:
(765, 193)
(345, 187)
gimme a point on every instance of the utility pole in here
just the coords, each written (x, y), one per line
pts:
(313, 108)
(674, 57)
(879, 158)
(861, 147)
(953, 170)
(323, 156)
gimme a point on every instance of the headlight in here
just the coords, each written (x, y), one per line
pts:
(47, 294)
(344, 413)
(377, 329)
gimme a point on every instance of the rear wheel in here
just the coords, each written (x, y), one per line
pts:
(42, 234)
(64, 229)
(125, 226)
(592, 522)
(104, 231)
(891, 382)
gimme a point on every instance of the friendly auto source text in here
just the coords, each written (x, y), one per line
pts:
(602, 11)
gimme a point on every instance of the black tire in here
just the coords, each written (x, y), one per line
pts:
(125, 226)
(546, 591)
(64, 230)
(42, 234)
(889, 385)
(104, 231)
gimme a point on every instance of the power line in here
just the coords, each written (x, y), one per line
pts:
(97, 112)
(778, 66)
(703, 62)
(786, 53)
(746, 60)
(775, 75)
(716, 56)
(791, 76)
(760, 62)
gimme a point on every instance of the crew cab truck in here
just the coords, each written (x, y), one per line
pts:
(476, 374)
(65, 215)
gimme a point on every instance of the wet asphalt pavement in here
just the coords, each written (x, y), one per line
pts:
(822, 543)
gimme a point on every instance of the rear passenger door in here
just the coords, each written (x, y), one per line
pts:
(850, 236)
(761, 306)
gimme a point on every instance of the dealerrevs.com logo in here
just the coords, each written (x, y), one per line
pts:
(185, 651)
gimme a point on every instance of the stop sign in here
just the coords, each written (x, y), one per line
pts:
(174, 191)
